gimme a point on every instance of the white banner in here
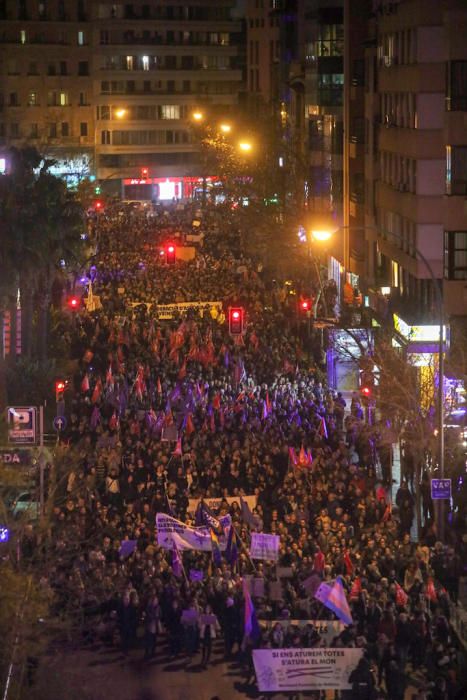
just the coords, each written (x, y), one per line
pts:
(304, 669)
(264, 546)
(327, 629)
(215, 503)
(187, 537)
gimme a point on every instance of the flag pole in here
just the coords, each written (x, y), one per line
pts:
(246, 549)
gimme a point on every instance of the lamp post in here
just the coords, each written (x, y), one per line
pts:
(320, 235)
(437, 284)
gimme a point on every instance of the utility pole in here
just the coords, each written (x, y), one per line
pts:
(41, 459)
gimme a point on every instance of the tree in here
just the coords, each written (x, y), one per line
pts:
(40, 226)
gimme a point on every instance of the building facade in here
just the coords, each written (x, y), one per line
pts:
(295, 64)
(416, 154)
(114, 84)
(46, 96)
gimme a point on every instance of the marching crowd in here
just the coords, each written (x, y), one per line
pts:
(166, 412)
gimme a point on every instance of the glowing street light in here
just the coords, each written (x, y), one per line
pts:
(120, 113)
(321, 235)
(225, 128)
(245, 146)
(197, 116)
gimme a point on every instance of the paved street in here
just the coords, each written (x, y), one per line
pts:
(100, 672)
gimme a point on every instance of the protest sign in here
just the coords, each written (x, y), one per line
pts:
(275, 590)
(284, 572)
(280, 670)
(215, 503)
(264, 546)
(327, 629)
(188, 537)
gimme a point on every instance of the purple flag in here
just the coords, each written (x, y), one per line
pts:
(127, 547)
(196, 575)
(95, 418)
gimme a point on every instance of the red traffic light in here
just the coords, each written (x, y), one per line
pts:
(60, 386)
(73, 303)
(98, 204)
(144, 173)
(305, 305)
(365, 390)
(236, 318)
(170, 254)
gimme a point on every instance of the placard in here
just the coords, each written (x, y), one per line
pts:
(265, 547)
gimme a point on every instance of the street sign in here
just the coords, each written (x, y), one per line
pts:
(440, 488)
(21, 421)
(59, 423)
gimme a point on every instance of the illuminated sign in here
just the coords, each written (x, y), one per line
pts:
(2, 166)
(166, 188)
(418, 334)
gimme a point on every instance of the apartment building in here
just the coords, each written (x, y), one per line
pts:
(46, 96)
(416, 154)
(116, 83)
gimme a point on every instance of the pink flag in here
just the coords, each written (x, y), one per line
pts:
(401, 596)
(85, 384)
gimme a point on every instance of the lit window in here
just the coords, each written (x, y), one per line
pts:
(81, 41)
(145, 62)
(63, 99)
(129, 62)
(23, 36)
(170, 112)
(33, 99)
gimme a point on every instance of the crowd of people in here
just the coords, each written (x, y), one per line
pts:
(166, 412)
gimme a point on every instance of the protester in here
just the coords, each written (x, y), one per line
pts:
(165, 412)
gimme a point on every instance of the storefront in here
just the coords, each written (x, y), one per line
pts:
(166, 189)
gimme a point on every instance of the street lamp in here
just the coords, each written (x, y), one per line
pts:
(322, 236)
(225, 128)
(120, 113)
(245, 146)
(197, 116)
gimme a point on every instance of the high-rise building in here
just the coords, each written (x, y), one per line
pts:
(416, 153)
(113, 85)
(356, 17)
(295, 62)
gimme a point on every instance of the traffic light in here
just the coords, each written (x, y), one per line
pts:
(73, 303)
(60, 386)
(236, 319)
(144, 173)
(305, 304)
(170, 254)
(97, 189)
(367, 383)
(98, 205)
